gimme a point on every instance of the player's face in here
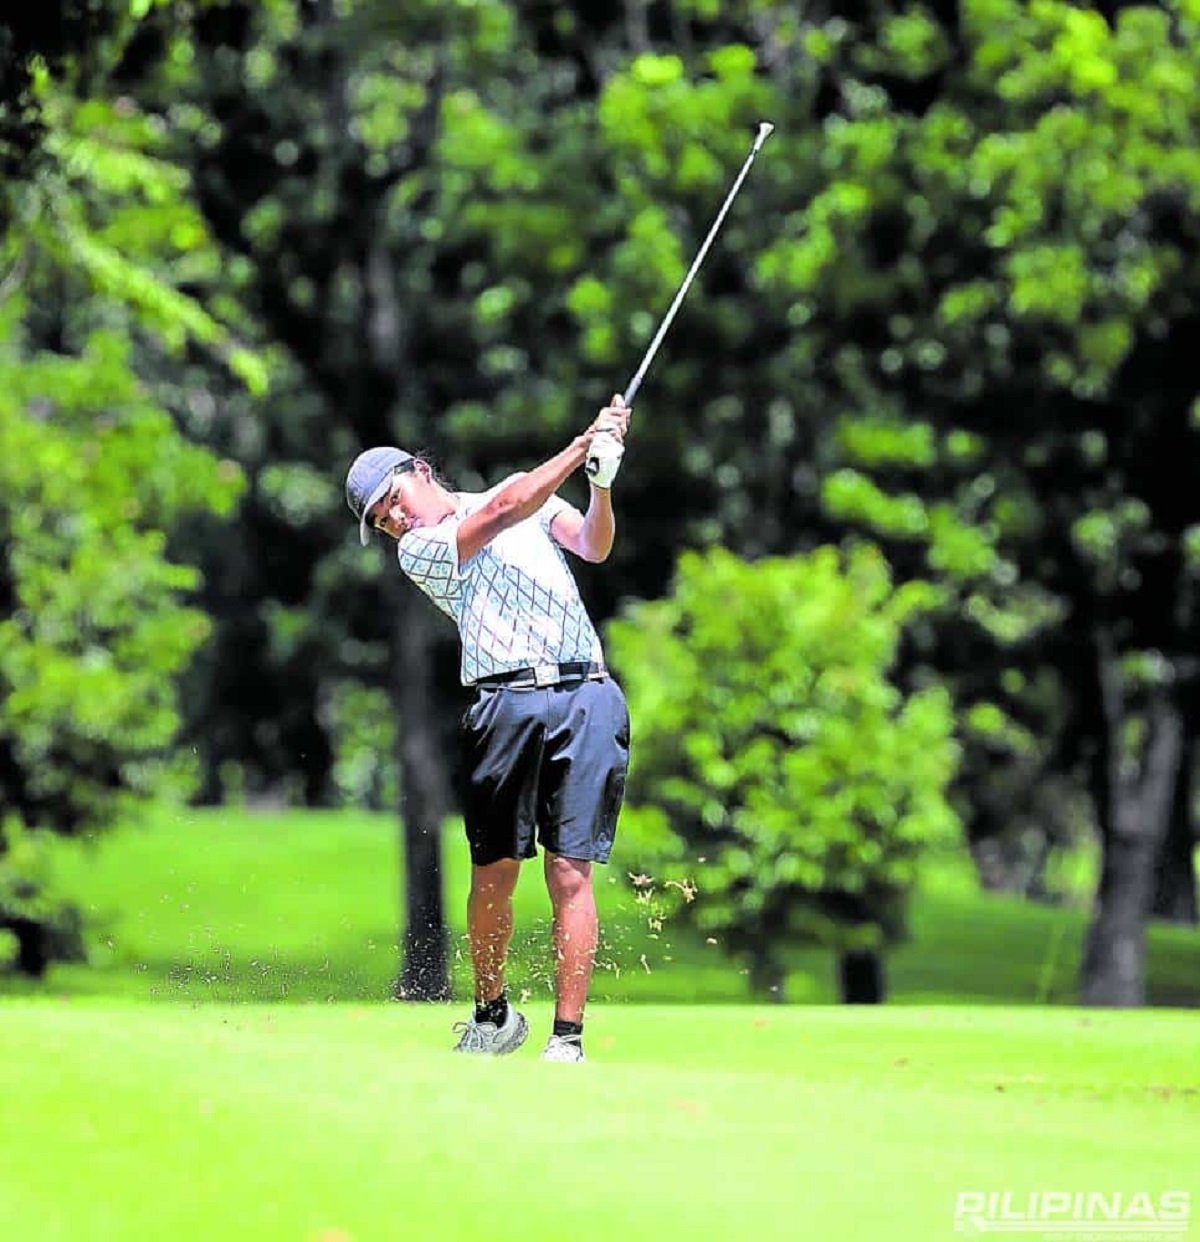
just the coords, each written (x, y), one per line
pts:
(411, 502)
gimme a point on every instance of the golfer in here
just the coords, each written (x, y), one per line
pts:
(546, 739)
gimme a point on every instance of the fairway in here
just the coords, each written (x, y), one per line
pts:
(236, 905)
(129, 1120)
(228, 1068)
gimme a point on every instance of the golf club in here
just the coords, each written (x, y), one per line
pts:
(764, 132)
(765, 129)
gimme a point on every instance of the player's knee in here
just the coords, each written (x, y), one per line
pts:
(568, 879)
(497, 879)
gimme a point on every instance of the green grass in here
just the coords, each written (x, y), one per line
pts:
(232, 905)
(166, 1092)
(125, 1120)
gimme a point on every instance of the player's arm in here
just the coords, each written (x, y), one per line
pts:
(520, 499)
(589, 535)
(526, 494)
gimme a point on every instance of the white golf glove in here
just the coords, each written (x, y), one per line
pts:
(604, 459)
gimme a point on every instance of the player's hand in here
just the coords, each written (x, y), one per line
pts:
(613, 419)
(603, 459)
(606, 446)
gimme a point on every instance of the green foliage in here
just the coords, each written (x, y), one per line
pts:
(940, 310)
(362, 732)
(91, 474)
(30, 895)
(783, 787)
(1001, 253)
(105, 264)
(1066, 148)
(110, 208)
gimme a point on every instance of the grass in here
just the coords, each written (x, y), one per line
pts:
(239, 906)
(168, 1092)
(335, 1122)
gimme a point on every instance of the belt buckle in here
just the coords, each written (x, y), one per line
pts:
(545, 675)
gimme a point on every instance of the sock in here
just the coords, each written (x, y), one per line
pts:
(563, 1027)
(494, 1011)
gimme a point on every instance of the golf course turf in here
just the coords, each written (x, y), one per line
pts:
(128, 1120)
(230, 1066)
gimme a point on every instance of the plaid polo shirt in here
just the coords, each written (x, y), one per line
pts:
(515, 602)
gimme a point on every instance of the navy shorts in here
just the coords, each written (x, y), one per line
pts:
(545, 767)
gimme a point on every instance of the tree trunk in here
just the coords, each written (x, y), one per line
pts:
(862, 977)
(1133, 828)
(33, 949)
(424, 797)
(1175, 886)
(767, 979)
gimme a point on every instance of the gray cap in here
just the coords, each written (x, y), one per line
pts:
(368, 481)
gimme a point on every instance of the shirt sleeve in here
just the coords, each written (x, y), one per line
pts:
(550, 510)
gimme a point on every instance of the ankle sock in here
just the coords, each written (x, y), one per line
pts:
(563, 1027)
(494, 1011)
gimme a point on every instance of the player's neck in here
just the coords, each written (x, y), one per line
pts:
(448, 502)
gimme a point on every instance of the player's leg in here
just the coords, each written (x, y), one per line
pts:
(576, 930)
(502, 742)
(490, 925)
(580, 794)
(495, 1027)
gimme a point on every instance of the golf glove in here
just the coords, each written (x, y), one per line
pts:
(604, 459)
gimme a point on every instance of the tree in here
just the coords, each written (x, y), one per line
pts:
(93, 473)
(782, 787)
(96, 629)
(998, 275)
(46, 41)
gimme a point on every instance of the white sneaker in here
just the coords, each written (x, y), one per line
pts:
(564, 1048)
(488, 1038)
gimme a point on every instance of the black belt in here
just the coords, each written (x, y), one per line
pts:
(542, 676)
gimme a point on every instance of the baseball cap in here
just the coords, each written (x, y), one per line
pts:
(368, 480)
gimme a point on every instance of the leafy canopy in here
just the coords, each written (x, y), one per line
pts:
(92, 473)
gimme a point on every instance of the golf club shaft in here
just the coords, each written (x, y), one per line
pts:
(764, 131)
